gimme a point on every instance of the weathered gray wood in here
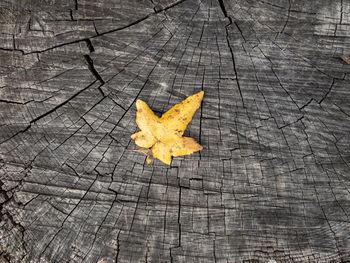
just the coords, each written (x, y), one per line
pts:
(273, 179)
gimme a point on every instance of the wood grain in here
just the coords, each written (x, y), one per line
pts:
(272, 183)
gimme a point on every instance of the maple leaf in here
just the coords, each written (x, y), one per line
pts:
(346, 59)
(164, 135)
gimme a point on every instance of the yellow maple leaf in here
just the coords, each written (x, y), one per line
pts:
(164, 134)
(346, 59)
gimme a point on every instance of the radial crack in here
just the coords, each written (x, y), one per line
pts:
(92, 69)
(329, 90)
(223, 8)
(48, 112)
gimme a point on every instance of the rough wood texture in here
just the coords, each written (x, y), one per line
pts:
(273, 180)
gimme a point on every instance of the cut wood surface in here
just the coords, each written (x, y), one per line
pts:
(272, 183)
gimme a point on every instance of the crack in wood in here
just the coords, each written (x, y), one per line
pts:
(223, 8)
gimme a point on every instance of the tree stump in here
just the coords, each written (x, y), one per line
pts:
(272, 183)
